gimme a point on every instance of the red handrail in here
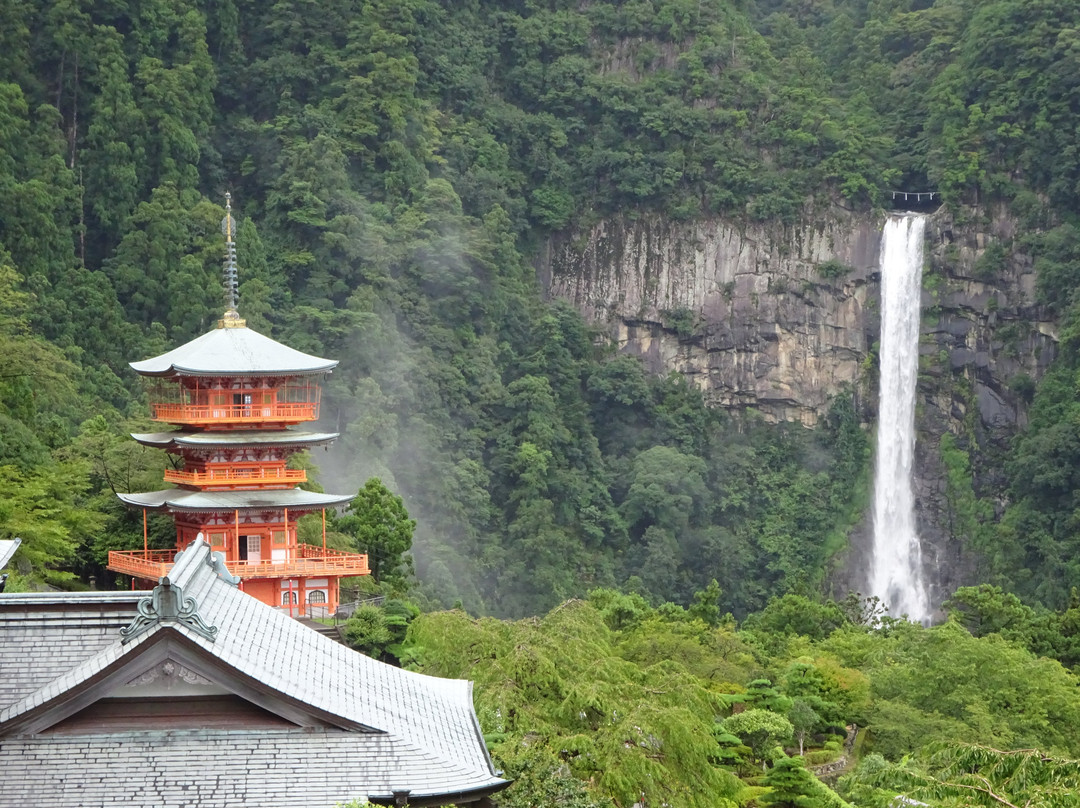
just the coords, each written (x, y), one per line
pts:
(309, 561)
(234, 413)
(237, 475)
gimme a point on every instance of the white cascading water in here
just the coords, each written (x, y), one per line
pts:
(897, 577)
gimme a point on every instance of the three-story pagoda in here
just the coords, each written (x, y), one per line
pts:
(236, 396)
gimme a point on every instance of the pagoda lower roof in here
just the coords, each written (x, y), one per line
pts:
(213, 439)
(182, 500)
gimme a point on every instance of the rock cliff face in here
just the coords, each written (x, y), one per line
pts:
(985, 342)
(769, 318)
(780, 319)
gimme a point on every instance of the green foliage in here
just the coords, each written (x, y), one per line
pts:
(630, 730)
(985, 610)
(819, 757)
(803, 719)
(971, 775)
(942, 683)
(46, 508)
(394, 167)
(966, 514)
(795, 614)
(762, 730)
(379, 631)
(792, 786)
(833, 269)
(379, 525)
(705, 606)
(366, 631)
(541, 778)
(587, 690)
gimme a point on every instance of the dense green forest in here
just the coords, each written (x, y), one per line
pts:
(608, 701)
(396, 166)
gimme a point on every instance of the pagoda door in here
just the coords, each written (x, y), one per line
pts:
(250, 548)
(242, 404)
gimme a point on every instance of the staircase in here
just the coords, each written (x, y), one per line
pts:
(333, 632)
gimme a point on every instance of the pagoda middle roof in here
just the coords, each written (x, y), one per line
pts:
(235, 351)
(211, 439)
(187, 501)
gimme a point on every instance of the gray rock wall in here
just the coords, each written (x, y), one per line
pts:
(985, 341)
(744, 312)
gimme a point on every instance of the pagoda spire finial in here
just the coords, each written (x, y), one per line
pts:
(232, 317)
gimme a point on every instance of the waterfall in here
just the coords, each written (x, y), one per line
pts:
(896, 576)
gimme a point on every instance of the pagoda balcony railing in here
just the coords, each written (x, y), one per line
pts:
(306, 560)
(281, 412)
(149, 564)
(253, 474)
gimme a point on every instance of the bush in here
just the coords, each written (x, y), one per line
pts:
(833, 269)
(819, 757)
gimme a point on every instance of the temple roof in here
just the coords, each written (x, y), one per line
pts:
(235, 351)
(277, 437)
(187, 501)
(7, 550)
(348, 726)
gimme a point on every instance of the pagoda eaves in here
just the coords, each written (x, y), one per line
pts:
(180, 500)
(173, 441)
(233, 351)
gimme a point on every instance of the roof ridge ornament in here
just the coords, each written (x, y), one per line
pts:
(167, 604)
(232, 318)
(216, 562)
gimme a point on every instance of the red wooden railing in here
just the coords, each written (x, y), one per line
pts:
(234, 413)
(247, 474)
(307, 560)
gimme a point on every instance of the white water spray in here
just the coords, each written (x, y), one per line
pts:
(896, 577)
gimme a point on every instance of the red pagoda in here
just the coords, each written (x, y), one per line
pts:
(235, 396)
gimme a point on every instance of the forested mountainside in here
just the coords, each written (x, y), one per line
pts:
(397, 166)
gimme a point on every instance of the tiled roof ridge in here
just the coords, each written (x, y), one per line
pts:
(406, 711)
(50, 598)
(190, 561)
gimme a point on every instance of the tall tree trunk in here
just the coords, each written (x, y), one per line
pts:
(73, 132)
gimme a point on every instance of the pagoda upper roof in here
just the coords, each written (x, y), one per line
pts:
(346, 726)
(233, 351)
(183, 500)
(212, 439)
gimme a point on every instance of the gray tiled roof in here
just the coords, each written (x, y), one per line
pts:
(182, 499)
(233, 352)
(41, 638)
(277, 437)
(422, 734)
(216, 768)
